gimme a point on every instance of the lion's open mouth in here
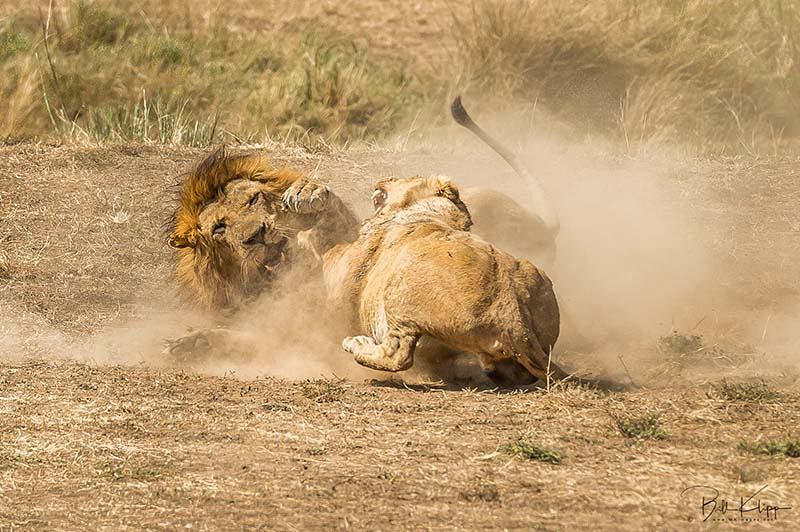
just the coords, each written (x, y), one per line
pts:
(274, 255)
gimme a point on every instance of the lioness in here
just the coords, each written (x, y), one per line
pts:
(415, 270)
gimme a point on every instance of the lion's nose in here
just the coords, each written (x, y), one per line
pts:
(257, 235)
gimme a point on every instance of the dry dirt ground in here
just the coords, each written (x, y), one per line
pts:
(96, 442)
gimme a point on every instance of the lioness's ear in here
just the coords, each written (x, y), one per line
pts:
(181, 240)
(448, 190)
(378, 198)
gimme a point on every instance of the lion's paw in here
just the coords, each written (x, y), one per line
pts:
(355, 344)
(198, 345)
(306, 197)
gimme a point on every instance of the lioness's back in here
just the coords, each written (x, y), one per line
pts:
(437, 277)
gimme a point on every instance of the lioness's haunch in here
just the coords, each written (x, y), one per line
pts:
(238, 223)
(415, 270)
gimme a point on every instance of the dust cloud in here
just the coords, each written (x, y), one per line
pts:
(287, 333)
(637, 260)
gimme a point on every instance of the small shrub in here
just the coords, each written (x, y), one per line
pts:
(530, 451)
(322, 390)
(128, 472)
(481, 492)
(276, 407)
(12, 42)
(741, 391)
(317, 451)
(680, 344)
(788, 448)
(646, 426)
(94, 24)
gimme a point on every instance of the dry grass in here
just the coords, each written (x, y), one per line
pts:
(700, 72)
(100, 71)
(136, 448)
(694, 73)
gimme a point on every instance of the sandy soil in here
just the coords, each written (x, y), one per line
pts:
(126, 442)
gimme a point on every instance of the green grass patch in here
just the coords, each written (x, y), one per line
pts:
(788, 448)
(530, 451)
(647, 426)
(12, 42)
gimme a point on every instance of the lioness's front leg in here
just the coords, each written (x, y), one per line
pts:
(395, 353)
(306, 197)
(311, 209)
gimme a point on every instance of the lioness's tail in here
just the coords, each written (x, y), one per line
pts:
(541, 204)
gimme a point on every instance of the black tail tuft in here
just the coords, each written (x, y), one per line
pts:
(459, 113)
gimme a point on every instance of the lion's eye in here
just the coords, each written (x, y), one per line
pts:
(219, 229)
(253, 200)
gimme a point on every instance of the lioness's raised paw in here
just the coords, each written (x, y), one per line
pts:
(306, 197)
(355, 344)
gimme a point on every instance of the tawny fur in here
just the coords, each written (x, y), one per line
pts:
(415, 270)
(217, 268)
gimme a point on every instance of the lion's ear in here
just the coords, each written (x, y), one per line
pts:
(213, 160)
(182, 240)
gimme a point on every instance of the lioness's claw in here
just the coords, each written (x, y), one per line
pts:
(353, 344)
(305, 197)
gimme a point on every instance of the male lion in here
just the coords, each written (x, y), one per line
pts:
(238, 224)
(415, 270)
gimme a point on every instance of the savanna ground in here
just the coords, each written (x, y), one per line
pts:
(677, 182)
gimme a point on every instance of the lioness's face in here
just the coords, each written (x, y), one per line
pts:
(241, 223)
(394, 194)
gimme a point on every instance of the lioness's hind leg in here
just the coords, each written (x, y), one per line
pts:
(395, 353)
(533, 358)
(509, 373)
